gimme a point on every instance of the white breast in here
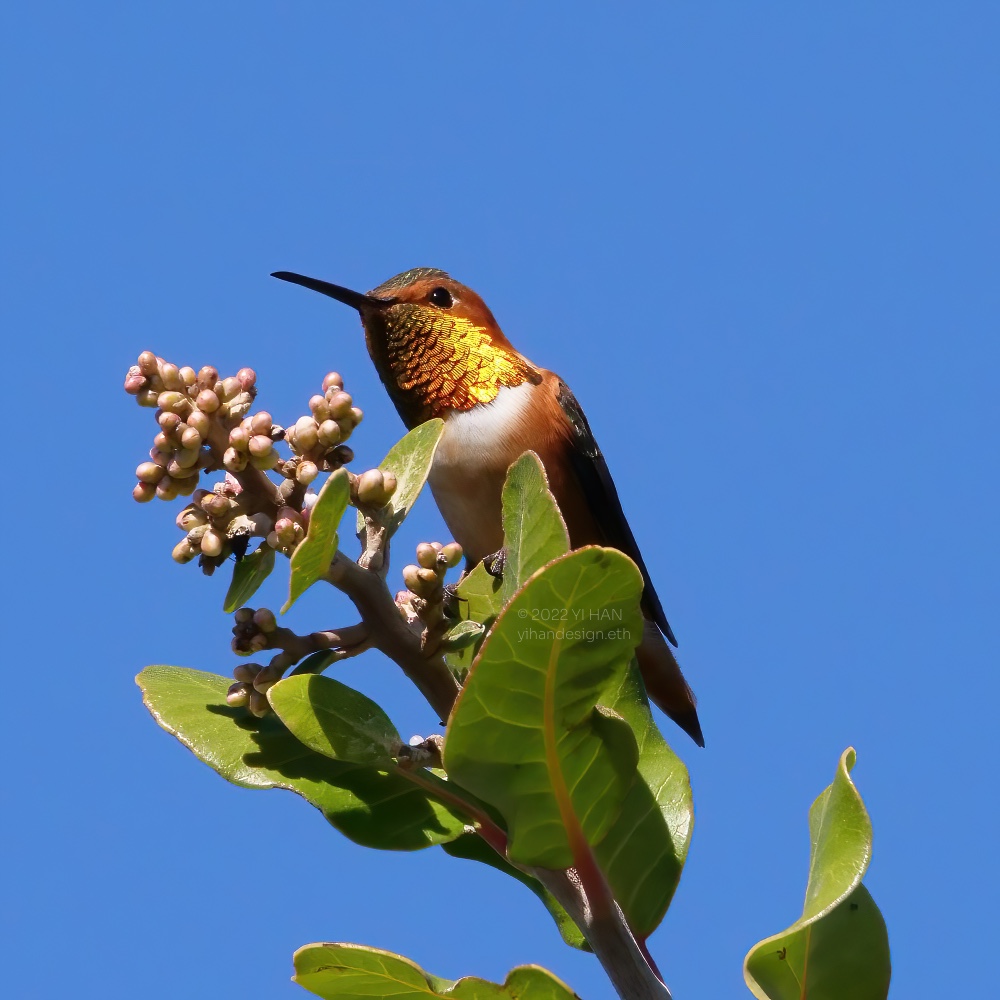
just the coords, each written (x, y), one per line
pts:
(470, 465)
(476, 436)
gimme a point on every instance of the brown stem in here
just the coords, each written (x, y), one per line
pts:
(344, 642)
(392, 636)
(626, 961)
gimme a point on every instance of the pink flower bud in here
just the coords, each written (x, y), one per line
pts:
(207, 401)
(166, 489)
(183, 553)
(306, 472)
(199, 422)
(306, 437)
(329, 433)
(207, 377)
(246, 672)
(427, 555)
(411, 578)
(171, 376)
(264, 620)
(147, 363)
(169, 422)
(371, 488)
(190, 517)
(149, 472)
(191, 438)
(333, 381)
(212, 543)
(258, 704)
(260, 445)
(238, 695)
(174, 402)
(143, 492)
(452, 554)
(247, 378)
(260, 423)
(134, 381)
(340, 404)
(239, 438)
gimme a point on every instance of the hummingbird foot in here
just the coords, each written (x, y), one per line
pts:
(494, 564)
(451, 603)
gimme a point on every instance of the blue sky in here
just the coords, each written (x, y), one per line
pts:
(760, 243)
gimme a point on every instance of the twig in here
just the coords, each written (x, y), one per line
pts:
(390, 634)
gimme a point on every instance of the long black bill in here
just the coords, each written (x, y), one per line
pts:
(356, 300)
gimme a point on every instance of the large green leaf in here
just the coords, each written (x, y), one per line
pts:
(370, 805)
(526, 734)
(534, 532)
(248, 574)
(340, 723)
(353, 972)
(409, 460)
(315, 552)
(473, 848)
(839, 946)
(644, 851)
(335, 720)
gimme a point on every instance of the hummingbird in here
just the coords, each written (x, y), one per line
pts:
(440, 353)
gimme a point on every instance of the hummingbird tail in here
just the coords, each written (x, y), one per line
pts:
(665, 684)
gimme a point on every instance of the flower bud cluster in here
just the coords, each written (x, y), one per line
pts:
(187, 404)
(425, 580)
(318, 441)
(289, 529)
(252, 633)
(251, 442)
(215, 524)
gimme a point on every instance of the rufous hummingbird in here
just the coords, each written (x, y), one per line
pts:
(440, 353)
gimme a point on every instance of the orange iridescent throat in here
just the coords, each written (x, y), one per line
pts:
(437, 362)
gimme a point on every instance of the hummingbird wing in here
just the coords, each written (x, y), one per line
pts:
(599, 488)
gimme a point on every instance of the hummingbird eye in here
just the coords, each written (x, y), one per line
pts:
(441, 297)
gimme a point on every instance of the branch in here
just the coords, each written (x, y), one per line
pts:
(392, 636)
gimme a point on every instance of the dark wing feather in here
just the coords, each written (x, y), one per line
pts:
(599, 488)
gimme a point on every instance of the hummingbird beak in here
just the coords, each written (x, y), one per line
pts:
(356, 300)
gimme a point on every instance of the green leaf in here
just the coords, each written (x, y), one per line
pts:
(643, 853)
(370, 805)
(526, 734)
(534, 532)
(463, 635)
(335, 720)
(351, 971)
(473, 848)
(315, 552)
(839, 946)
(248, 574)
(409, 460)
